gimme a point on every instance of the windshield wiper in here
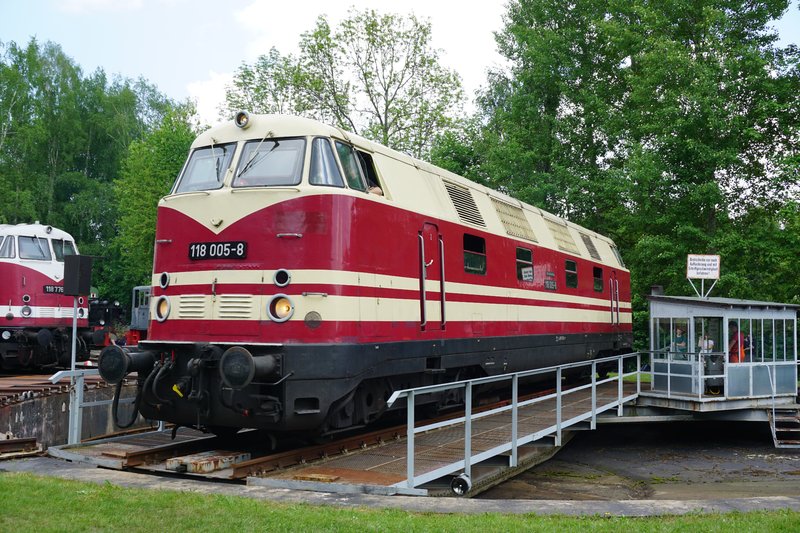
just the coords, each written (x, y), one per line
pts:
(256, 155)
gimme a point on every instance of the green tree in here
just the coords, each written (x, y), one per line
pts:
(660, 123)
(148, 172)
(375, 75)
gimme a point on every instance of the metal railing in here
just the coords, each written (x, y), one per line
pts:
(710, 374)
(76, 403)
(516, 405)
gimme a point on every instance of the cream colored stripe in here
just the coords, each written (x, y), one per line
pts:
(355, 279)
(351, 308)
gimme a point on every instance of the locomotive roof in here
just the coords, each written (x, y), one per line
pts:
(37, 230)
(273, 125)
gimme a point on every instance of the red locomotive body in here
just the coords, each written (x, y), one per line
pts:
(303, 273)
(36, 326)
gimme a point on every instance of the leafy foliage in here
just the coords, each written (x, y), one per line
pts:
(672, 126)
(63, 137)
(375, 75)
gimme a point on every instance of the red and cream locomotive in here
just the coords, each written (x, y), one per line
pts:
(303, 273)
(36, 328)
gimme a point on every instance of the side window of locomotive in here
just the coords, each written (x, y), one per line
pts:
(571, 270)
(597, 274)
(474, 254)
(206, 168)
(351, 166)
(324, 170)
(524, 264)
(271, 163)
(369, 172)
(7, 248)
(62, 248)
(34, 248)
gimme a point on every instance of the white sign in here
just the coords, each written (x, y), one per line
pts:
(702, 266)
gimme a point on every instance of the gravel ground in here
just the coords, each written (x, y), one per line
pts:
(663, 461)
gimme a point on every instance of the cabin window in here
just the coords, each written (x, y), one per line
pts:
(34, 248)
(474, 254)
(525, 264)
(571, 270)
(597, 274)
(351, 166)
(62, 248)
(271, 163)
(368, 170)
(324, 170)
(7, 248)
(205, 170)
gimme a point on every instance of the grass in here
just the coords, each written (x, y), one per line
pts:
(41, 505)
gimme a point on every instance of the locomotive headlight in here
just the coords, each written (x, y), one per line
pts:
(242, 119)
(280, 308)
(26, 311)
(6, 335)
(26, 298)
(162, 308)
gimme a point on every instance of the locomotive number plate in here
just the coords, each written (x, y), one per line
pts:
(218, 250)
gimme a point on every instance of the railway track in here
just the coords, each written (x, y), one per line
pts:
(20, 388)
(196, 454)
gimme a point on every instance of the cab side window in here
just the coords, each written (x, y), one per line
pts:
(324, 170)
(7, 248)
(369, 172)
(351, 166)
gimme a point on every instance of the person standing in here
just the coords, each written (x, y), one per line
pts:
(735, 344)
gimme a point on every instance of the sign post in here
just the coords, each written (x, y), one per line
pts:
(702, 267)
(77, 283)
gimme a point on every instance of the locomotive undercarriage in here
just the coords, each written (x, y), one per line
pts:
(40, 348)
(323, 389)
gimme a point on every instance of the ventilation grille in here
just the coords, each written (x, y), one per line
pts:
(513, 218)
(465, 204)
(561, 235)
(236, 306)
(587, 240)
(191, 306)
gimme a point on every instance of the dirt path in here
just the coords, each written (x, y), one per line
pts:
(677, 461)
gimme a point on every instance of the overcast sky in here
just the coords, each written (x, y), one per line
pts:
(190, 48)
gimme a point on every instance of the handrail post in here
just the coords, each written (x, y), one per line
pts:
(514, 419)
(468, 429)
(619, 386)
(410, 438)
(594, 396)
(638, 373)
(558, 406)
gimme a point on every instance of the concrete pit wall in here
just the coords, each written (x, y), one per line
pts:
(46, 418)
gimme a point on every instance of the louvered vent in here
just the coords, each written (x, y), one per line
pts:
(465, 204)
(238, 306)
(191, 306)
(561, 235)
(513, 219)
(587, 240)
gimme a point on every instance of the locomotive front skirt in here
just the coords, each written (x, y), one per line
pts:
(303, 273)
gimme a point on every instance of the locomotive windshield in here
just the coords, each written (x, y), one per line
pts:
(206, 168)
(34, 248)
(62, 248)
(271, 163)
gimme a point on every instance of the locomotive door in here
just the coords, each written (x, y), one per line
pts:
(431, 278)
(613, 290)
